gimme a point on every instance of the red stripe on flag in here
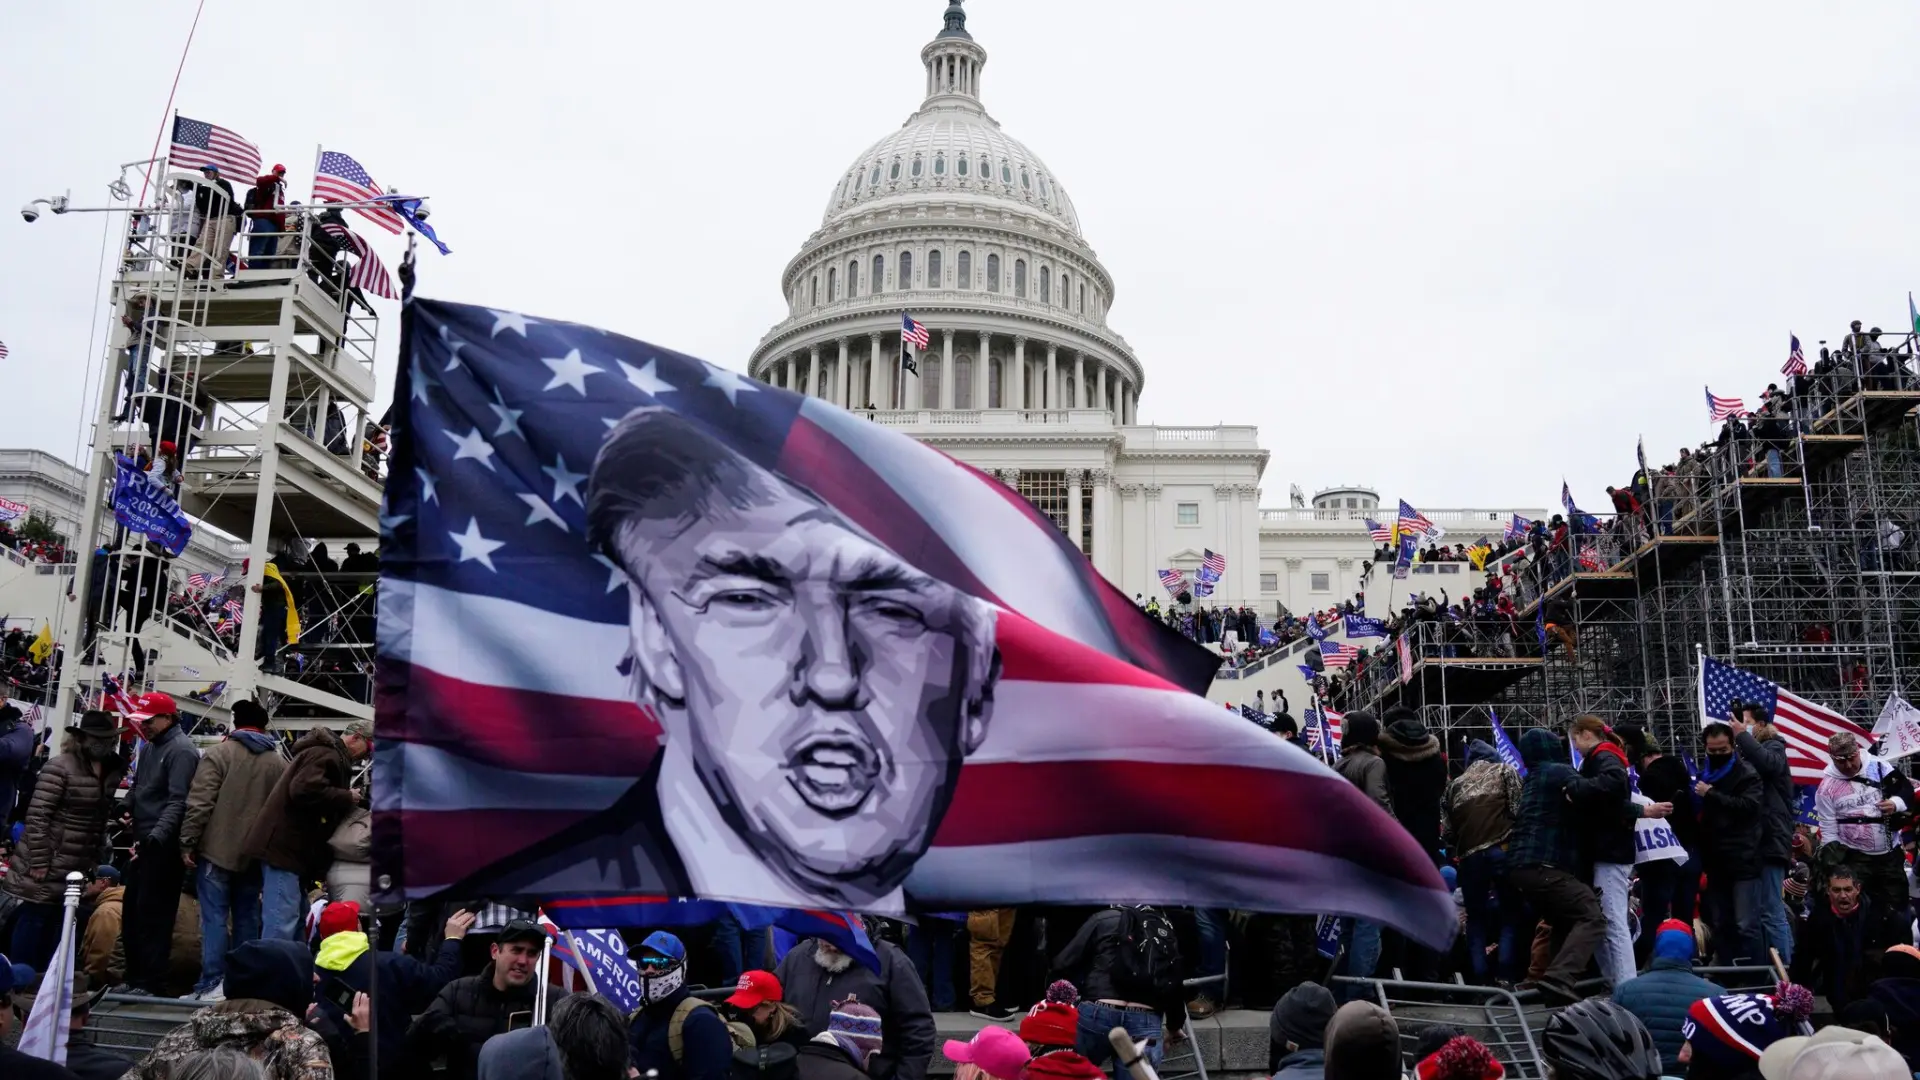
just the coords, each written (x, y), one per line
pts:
(443, 847)
(517, 729)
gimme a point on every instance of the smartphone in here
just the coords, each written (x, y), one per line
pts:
(338, 992)
(519, 1020)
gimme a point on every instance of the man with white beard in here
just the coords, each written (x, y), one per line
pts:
(815, 975)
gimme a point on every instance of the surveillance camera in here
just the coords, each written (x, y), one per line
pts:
(30, 212)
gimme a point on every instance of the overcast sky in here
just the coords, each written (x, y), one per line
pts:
(1452, 251)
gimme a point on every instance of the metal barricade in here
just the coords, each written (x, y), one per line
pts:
(1490, 1014)
(1191, 1060)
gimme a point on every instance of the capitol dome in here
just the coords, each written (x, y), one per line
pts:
(956, 225)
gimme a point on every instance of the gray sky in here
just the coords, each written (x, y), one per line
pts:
(1454, 251)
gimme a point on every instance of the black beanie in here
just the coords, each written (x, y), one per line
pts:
(247, 713)
(277, 972)
(1301, 1017)
(1359, 729)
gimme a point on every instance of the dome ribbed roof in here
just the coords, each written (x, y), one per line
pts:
(960, 151)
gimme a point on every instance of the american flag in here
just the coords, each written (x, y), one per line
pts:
(1804, 724)
(1336, 654)
(1214, 561)
(1517, 527)
(510, 648)
(1203, 585)
(1173, 581)
(1796, 360)
(1720, 408)
(3, 350)
(914, 333)
(369, 273)
(1381, 534)
(1413, 521)
(1406, 657)
(342, 179)
(197, 144)
(112, 696)
(203, 581)
(1591, 560)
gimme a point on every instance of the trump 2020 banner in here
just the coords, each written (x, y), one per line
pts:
(648, 627)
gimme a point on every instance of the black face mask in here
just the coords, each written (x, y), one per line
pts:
(1718, 761)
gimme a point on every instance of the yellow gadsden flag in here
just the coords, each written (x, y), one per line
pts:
(293, 617)
(42, 646)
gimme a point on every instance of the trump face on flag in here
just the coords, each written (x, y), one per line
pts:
(817, 693)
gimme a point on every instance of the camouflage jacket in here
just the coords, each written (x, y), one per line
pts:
(266, 1033)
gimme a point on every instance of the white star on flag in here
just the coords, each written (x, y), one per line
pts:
(388, 524)
(472, 445)
(509, 320)
(646, 379)
(454, 345)
(509, 418)
(618, 576)
(476, 548)
(570, 370)
(729, 383)
(540, 511)
(427, 493)
(566, 485)
(417, 381)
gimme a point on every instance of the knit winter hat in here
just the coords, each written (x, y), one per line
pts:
(1301, 1017)
(856, 1028)
(1674, 941)
(1062, 1065)
(337, 918)
(1732, 1031)
(1462, 1058)
(1050, 1023)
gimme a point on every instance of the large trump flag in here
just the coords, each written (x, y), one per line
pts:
(651, 628)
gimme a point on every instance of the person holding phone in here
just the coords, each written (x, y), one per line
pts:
(469, 1011)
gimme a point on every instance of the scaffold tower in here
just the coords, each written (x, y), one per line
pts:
(244, 383)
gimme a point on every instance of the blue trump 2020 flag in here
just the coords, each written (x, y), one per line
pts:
(1503, 745)
(143, 505)
(656, 629)
(1364, 626)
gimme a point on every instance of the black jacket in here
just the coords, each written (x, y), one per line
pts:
(1603, 809)
(706, 1049)
(820, 1061)
(1835, 956)
(1092, 959)
(407, 987)
(158, 800)
(1769, 759)
(1416, 780)
(1730, 825)
(1665, 780)
(466, 1013)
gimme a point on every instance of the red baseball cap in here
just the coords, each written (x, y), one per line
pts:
(754, 988)
(154, 704)
(338, 917)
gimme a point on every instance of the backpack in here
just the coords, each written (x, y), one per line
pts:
(1147, 966)
(741, 1034)
(778, 1061)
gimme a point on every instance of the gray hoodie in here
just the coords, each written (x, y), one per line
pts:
(160, 783)
(528, 1054)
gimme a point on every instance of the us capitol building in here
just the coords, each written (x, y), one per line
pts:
(955, 222)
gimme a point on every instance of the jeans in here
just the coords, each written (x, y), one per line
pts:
(1363, 949)
(36, 933)
(727, 949)
(1097, 1019)
(1614, 881)
(930, 947)
(1777, 931)
(147, 913)
(1773, 464)
(1490, 919)
(282, 905)
(223, 892)
(261, 243)
(1735, 908)
(1212, 925)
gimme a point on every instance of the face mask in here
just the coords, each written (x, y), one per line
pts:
(1718, 760)
(660, 987)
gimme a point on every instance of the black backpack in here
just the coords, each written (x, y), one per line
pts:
(1147, 966)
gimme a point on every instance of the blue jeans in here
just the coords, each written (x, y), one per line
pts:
(1483, 881)
(36, 934)
(1363, 949)
(1212, 925)
(1774, 927)
(223, 893)
(282, 904)
(930, 946)
(1773, 464)
(1736, 920)
(260, 241)
(1097, 1019)
(725, 946)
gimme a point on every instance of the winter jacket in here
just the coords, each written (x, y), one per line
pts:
(1364, 769)
(1542, 835)
(1416, 779)
(1303, 1065)
(102, 949)
(1901, 997)
(1665, 780)
(158, 800)
(706, 1049)
(66, 826)
(15, 1065)
(408, 987)
(266, 1033)
(1659, 997)
(1730, 824)
(1603, 807)
(16, 753)
(307, 803)
(825, 1060)
(895, 992)
(465, 1014)
(1482, 802)
(1779, 805)
(529, 1054)
(229, 791)
(1837, 956)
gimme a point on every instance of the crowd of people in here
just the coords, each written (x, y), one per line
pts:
(34, 550)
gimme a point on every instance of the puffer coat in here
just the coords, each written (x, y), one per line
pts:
(66, 826)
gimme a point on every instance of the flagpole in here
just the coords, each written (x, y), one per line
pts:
(585, 969)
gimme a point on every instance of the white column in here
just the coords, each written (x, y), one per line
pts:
(977, 380)
(1079, 381)
(1100, 385)
(843, 379)
(1149, 535)
(882, 384)
(1222, 496)
(813, 371)
(1020, 373)
(1102, 480)
(1051, 397)
(946, 369)
(1075, 477)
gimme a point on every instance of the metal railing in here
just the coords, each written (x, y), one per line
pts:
(1494, 1016)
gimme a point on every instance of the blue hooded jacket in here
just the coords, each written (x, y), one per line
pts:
(1541, 836)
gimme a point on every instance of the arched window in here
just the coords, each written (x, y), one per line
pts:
(905, 270)
(853, 279)
(930, 381)
(961, 164)
(833, 284)
(878, 282)
(986, 168)
(816, 291)
(965, 268)
(1046, 285)
(993, 273)
(1020, 278)
(1066, 288)
(894, 173)
(875, 178)
(1045, 193)
(1083, 299)
(993, 385)
(1026, 180)
(859, 178)
(933, 269)
(963, 382)
(916, 165)
(940, 165)
(1006, 173)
